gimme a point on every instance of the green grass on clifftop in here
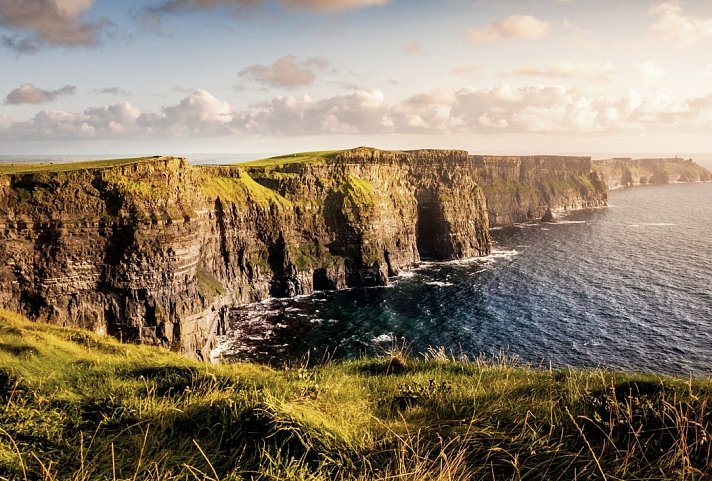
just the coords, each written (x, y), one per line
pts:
(75, 406)
(302, 157)
(8, 169)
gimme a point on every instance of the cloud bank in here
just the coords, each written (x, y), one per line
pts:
(503, 109)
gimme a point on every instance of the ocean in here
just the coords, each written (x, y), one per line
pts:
(625, 287)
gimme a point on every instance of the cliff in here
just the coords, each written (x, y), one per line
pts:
(155, 250)
(523, 188)
(627, 172)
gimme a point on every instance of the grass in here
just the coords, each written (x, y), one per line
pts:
(298, 158)
(77, 407)
(208, 284)
(241, 188)
(7, 169)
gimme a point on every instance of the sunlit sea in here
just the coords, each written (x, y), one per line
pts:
(627, 287)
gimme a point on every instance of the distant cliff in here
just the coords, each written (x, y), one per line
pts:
(627, 172)
(155, 250)
(522, 188)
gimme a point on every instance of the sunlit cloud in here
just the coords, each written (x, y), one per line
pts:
(30, 94)
(515, 26)
(674, 25)
(650, 71)
(546, 109)
(48, 22)
(288, 72)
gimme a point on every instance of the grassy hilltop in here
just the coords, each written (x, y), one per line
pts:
(75, 406)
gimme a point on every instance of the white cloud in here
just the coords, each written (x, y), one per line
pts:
(673, 25)
(287, 72)
(515, 26)
(57, 22)
(570, 70)
(650, 71)
(116, 118)
(30, 94)
(198, 114)
(469, 111)
(359, 112)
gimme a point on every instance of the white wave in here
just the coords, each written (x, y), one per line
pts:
(565, 222)
(500, 254)
(222, 347)
(439, 283)
(406, 274)
(658, 224)
(383, 338)
(544, 228)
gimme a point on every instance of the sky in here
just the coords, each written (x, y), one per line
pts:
(600, 78)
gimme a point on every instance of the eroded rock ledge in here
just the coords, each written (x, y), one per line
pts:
(155, 250)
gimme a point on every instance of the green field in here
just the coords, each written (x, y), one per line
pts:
(76, 406)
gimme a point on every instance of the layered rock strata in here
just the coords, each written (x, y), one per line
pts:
(155, 250)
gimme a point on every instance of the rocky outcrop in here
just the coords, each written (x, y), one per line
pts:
(626, 172)
(155, 250)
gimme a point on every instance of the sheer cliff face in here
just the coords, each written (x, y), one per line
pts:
(155, 250)
(519, 189)
(626, 172)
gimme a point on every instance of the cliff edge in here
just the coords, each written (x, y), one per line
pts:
(155, 250)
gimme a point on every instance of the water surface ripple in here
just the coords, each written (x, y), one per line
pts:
(628, 287)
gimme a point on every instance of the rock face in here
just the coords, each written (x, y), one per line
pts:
(520, 189)
(155, 250)
(626, 172)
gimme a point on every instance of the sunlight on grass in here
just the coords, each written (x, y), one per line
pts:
(77, 406)
(69, 166)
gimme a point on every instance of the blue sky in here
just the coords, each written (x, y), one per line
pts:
(261, 76)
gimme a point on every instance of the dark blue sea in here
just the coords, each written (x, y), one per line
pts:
(627, 287)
